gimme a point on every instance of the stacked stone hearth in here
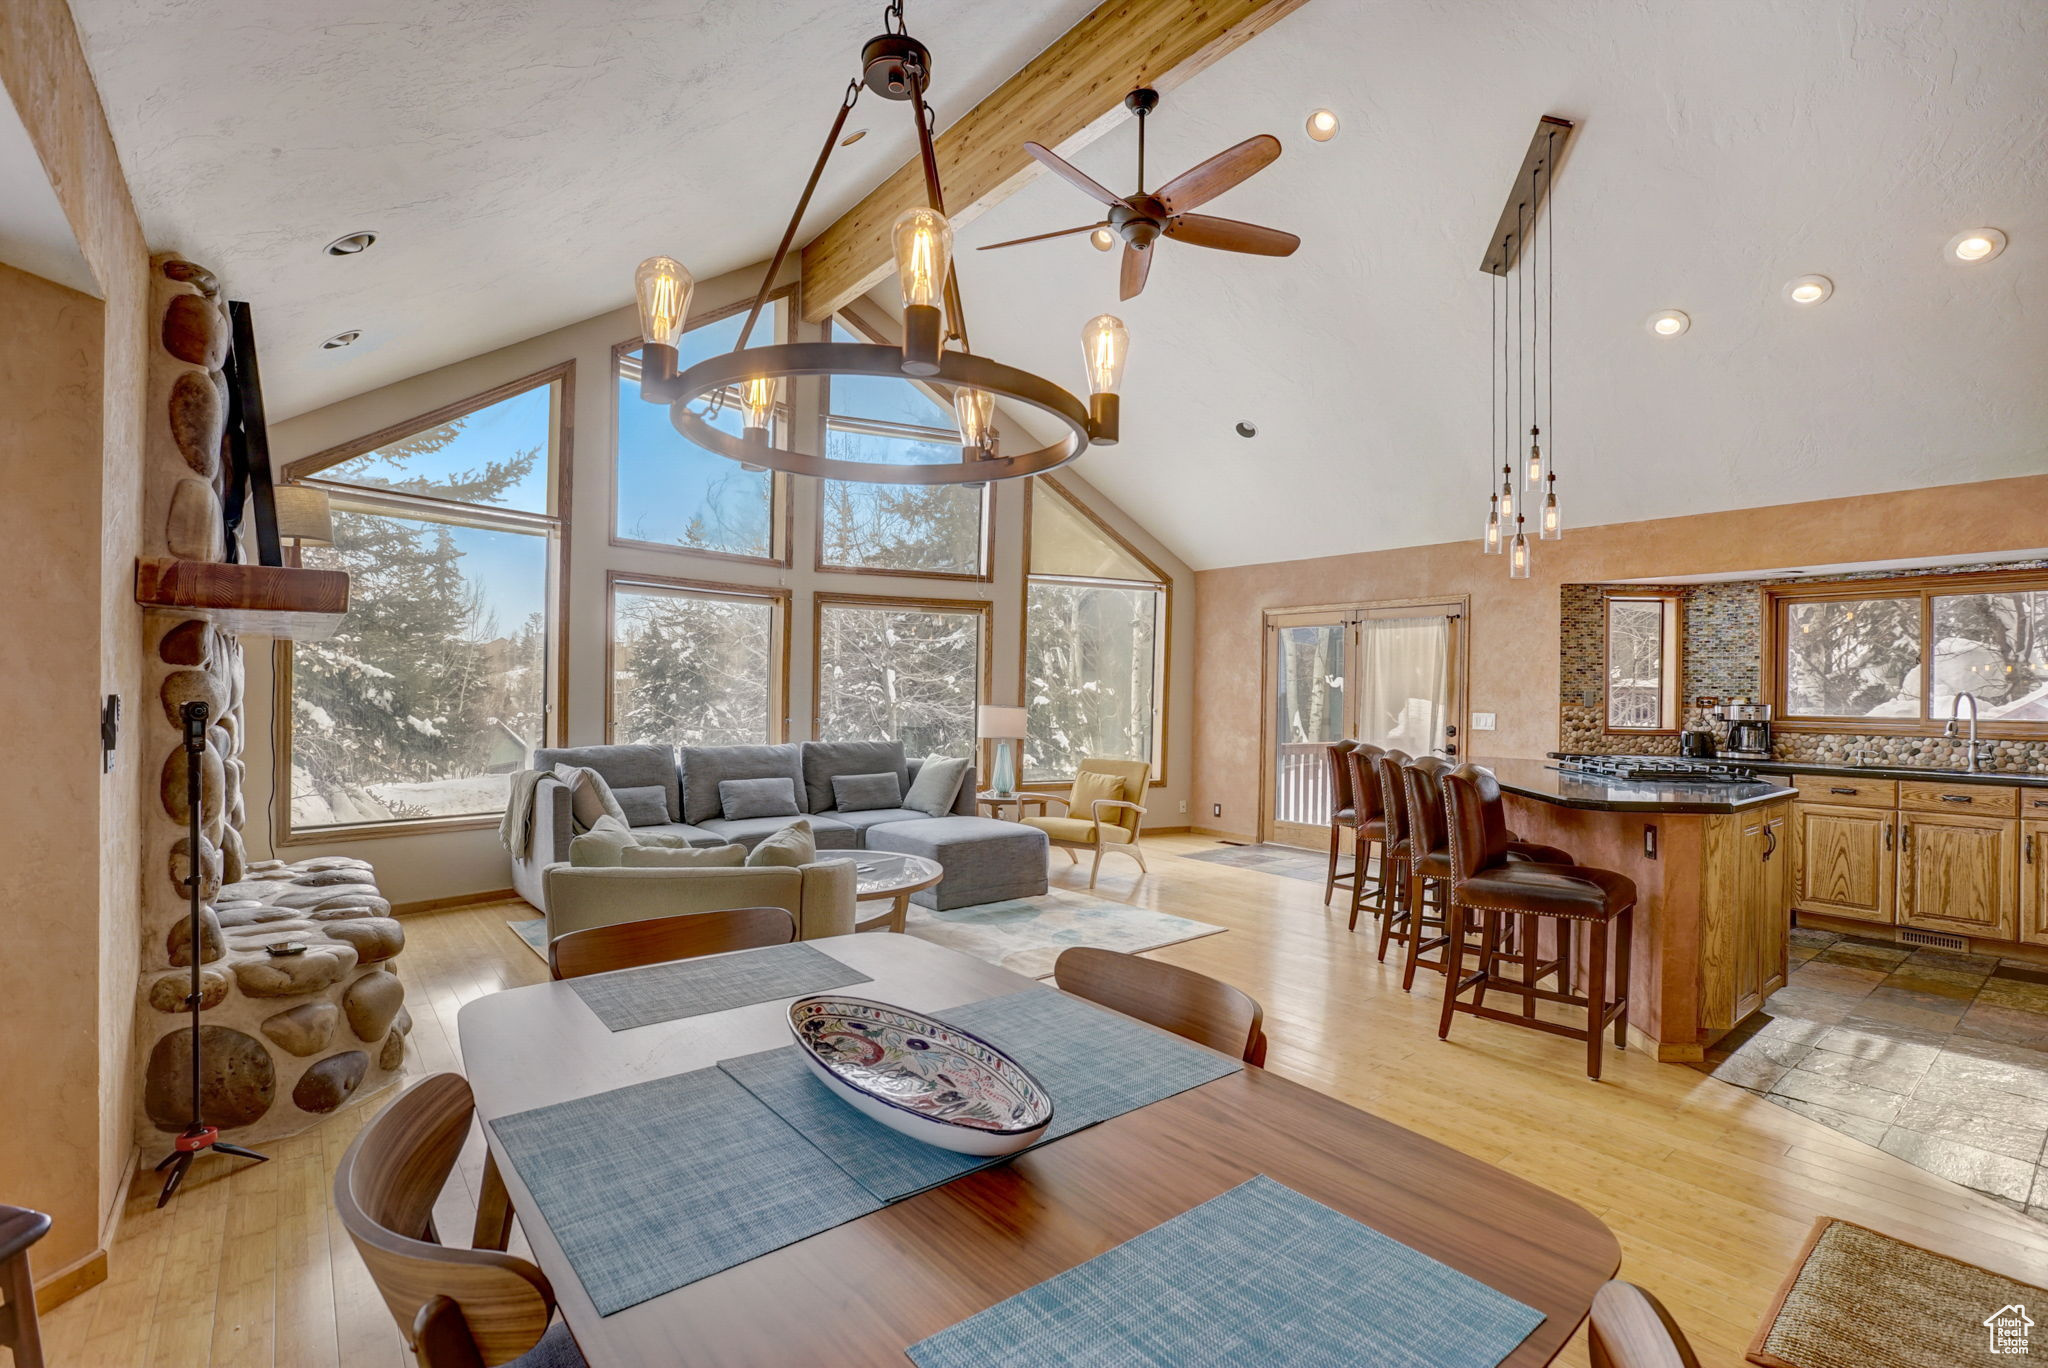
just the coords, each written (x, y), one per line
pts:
(287, 1039)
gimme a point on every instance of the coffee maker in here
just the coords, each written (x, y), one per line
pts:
(1749, 729)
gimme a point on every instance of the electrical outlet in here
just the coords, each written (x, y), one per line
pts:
(1183, 807)
(1482, 721)
(1216, 810)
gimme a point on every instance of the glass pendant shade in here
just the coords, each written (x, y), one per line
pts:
(757, 402)
(1104, 344)
(924, 250)
(1507, 497)
(1532, 473)
(1491, 544)
(663, 289)
(975, 411)
(1551, 526)
(1518, 554)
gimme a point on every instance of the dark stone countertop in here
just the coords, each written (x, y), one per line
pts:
(1538, 779)
(2033, 779)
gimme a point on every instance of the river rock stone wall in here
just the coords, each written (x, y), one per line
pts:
(286, 1039)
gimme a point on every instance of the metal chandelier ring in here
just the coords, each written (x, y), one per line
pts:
(788, 360)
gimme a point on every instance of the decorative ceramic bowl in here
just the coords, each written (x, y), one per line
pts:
(931, 1081)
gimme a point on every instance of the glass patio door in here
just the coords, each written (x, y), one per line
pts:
(1391, 676)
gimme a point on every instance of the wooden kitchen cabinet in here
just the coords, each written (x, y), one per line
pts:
(1761, 913)
(1842, 861)
(1959, 874)
(2034, 882)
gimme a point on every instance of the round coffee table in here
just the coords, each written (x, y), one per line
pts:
(886, 876)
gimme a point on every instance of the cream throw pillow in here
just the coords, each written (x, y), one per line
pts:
(670, 857)
(590, 797)
(1088, 788)
(794, 846)
(603, 846)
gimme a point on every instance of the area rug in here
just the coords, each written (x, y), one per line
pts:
(1285, 861)
(1859, 1299)
(1023, 935)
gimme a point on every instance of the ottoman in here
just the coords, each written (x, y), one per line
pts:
(985, 860)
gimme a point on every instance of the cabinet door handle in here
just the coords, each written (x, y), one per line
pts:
(1770, 843)
(1844, 788)
(2030, 847)
(1887, 835)
(2038, 802)
(1957, 798)
(1905, 836)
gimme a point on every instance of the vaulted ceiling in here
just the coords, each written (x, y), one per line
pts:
(519, 168)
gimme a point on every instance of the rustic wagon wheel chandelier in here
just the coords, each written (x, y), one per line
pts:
(935, 348)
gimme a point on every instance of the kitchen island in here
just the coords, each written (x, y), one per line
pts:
(1712, 866)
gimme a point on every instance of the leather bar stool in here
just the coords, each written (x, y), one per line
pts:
(1371, 832)
(1343, 816)
(20, 1228)
(1396, 917)
(1488, 886)
(1429, 861)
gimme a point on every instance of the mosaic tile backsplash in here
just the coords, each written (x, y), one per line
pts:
(1722, 655)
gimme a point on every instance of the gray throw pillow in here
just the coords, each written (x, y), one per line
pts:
(645, 806)
(667, 857)
(936, 786)
(866, 792)
(793, 846)
(744, 798)
(590, 797)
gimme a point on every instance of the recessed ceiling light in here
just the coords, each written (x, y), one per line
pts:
(1809, 289)
(1976, 244)
(350, 245)
(1667, 323)
(1103, 239)
(1322, 125)
(1247, 429)
(853, 137)
(340, 339)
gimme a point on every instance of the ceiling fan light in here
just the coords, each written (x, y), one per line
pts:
(1103, 239)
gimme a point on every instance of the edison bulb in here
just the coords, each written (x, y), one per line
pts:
(975, 411)
(757, 402)
(1532, 473)
(663, 289)
(1507, 499)
(1104, 344)
(924, 249)
(1103, 238)
(1518, 554)
(1551, 526)
(1491, 543)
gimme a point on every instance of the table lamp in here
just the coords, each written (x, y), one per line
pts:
(1002, 725)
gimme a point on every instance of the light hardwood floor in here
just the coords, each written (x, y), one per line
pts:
(1709, 1188)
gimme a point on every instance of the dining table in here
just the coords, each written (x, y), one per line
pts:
(862, 1292)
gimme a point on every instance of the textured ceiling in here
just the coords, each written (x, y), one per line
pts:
(1726, 146)
(520, 160)
(517, 159)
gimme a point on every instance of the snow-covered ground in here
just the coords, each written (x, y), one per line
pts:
(463, 797)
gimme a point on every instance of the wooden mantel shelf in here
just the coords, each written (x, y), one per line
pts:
(254, 600)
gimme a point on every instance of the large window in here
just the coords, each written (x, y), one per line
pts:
(1896, 656)
(436, 686)
(932, 530)
(669, 491)
(695, 664)
(902, 670)
(1094, 629)
(1642, 663)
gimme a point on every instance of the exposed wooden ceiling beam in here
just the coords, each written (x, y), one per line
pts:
(1065, 97)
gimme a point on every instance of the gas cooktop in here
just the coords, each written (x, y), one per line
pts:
(1657, 768)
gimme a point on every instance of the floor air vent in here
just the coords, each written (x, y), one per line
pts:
(1935, 939)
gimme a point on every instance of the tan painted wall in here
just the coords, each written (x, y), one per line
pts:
(1514, 627)
(91, 563)
(414, 868)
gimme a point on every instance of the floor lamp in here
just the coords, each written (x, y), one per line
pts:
(1002, 725)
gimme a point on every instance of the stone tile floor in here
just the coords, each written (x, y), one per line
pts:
(1936, 1057)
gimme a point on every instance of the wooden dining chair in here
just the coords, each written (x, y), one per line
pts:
(456, 1308)
(1631, 1329)
(627, 945)
(1205, 1010)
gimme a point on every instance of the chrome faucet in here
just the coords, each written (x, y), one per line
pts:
(1955, 712)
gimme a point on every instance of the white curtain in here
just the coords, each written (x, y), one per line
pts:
(1404, 683)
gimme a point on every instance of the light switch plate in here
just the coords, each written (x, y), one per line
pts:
(1482, 721)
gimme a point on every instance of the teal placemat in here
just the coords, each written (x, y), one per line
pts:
(650, 1187)
(1096, 1064)
(1260, 1275)
(626, 998)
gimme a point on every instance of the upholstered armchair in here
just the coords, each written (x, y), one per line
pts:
(820, 896)
(1102, 813)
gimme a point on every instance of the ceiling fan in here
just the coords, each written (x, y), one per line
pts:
(1142, 219)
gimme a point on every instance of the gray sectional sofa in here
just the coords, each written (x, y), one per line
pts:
(682, 786)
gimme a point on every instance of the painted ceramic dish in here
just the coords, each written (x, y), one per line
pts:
(930, 1081)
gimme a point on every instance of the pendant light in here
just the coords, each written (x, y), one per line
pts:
(1491, 542)
(1551, 526)
(1518, 553)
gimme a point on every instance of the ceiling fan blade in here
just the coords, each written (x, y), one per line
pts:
(1228, 235)
(1203, 183)
(1137, 265)
(1072, 174)
(1040, 237)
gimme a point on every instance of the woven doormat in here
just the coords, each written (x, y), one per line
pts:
(1858, 1299)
